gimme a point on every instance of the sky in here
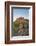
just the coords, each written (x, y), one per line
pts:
(20, 13)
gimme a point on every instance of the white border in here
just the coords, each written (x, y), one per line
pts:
(30, 25)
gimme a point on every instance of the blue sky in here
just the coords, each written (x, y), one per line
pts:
(20, 13)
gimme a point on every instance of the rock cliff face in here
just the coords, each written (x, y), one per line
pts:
(20, 20)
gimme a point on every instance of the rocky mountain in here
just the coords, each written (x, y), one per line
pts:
(21, 27)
